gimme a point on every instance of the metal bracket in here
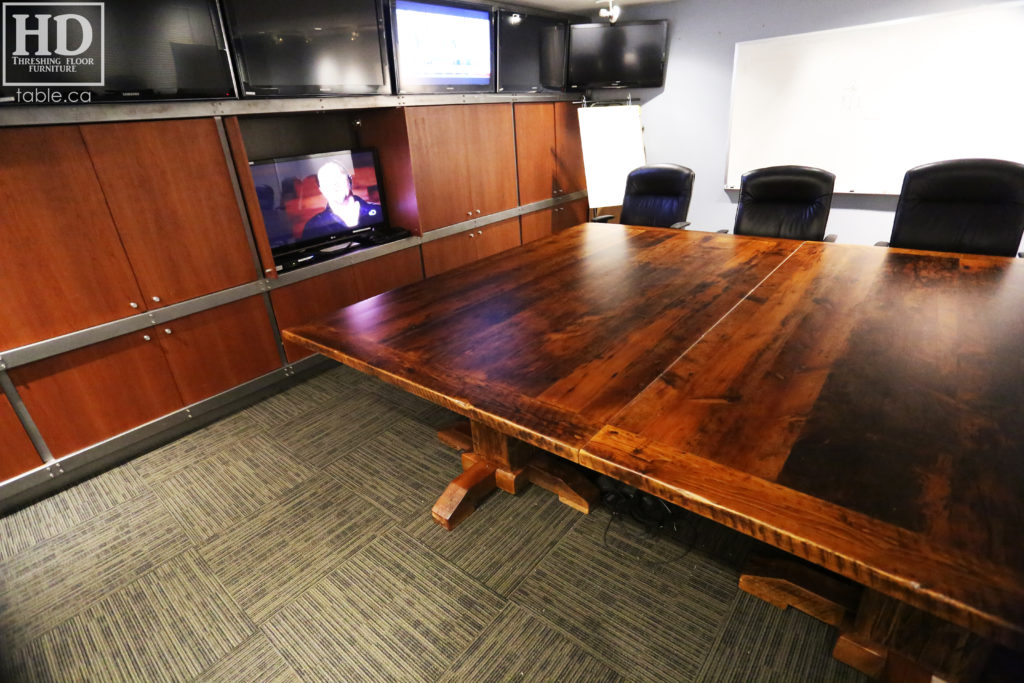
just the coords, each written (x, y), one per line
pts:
(55, 469)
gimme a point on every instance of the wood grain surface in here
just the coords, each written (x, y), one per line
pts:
(63, 267)
(171, 197)
(535, 150)
(17, 454)
(851, 405)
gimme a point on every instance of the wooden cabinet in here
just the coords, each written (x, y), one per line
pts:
(540, 224)
(215, 350)
(548, 150)
(84, 396)
(17, 454)
(169, 190)
(316, 297)
(444, 164)
(458, 250)
(569, 175)
(62, 267)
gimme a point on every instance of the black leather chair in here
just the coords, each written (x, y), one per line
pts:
(785, 201)
(657, 195)
(973, 206)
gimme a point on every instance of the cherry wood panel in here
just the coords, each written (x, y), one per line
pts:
(62, 267)
(498, 237)
(442, 255)
(310, 299)
(215, 350)
(168, 188)
(17, 454)
(441, 167)
(385, 130)
(489, 138)
(569, 175)
(252, 202)
(535, 150)
(570, 214)
(85, 396)
(463, 161)
(537, 225)
(547, 222)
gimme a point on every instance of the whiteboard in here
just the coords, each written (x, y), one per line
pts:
(870, 102)
(613, 145)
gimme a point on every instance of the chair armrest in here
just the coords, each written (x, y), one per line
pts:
(1020, 254)
(681, 225)
(881, 244)
(830, 238)
(604, 218)
(722, 232)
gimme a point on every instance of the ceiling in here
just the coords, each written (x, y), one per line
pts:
(579, 6)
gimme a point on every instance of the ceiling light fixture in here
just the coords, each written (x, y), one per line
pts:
(611, 13)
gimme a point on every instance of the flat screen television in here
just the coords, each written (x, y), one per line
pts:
(310, 202)
(531, 52)
(152, 50)
(622, 55)
(309, 47)
(442, 47)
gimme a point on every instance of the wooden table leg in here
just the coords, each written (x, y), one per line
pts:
(498, 461)
(879, 636)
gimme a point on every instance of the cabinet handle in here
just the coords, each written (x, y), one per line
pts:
(469, 213)
(133, 304)
(479, 232)
(471, 235)
(156, 299)
(478, 210)
(167, 330)
(146, 337)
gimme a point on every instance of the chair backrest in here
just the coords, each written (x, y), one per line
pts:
(785, 201)
(657, 195)
(973, 206)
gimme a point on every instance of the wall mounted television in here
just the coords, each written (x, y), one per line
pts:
(153, 50)
(309, 47)
(622, 55)
(442, 47)
(311, 202)
(531, 52)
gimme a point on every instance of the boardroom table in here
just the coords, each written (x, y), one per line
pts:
(859, 408)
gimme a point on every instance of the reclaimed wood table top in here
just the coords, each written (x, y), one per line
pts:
(858, 407)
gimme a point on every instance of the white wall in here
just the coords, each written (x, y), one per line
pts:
(687, 122)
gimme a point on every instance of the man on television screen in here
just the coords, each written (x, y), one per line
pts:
(344, 209)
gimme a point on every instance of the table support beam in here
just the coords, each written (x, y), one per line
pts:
(493, 460)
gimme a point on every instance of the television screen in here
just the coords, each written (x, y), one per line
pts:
(531, 52)
(309, 47)
(442, 48)
(622, 55)
(131, 50)
(312, 200)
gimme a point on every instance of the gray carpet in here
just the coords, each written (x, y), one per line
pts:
(293, 541)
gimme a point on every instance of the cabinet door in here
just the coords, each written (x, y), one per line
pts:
(62, 267)
(449, 252)
(497, 237)
(17, 454)
(218, 349)
(569, 176)
(88, 395)
(169, 190)
(538, 225)
(440, 164)
(568, 215)
(535, 151)
(316, 297)
(490, 136)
